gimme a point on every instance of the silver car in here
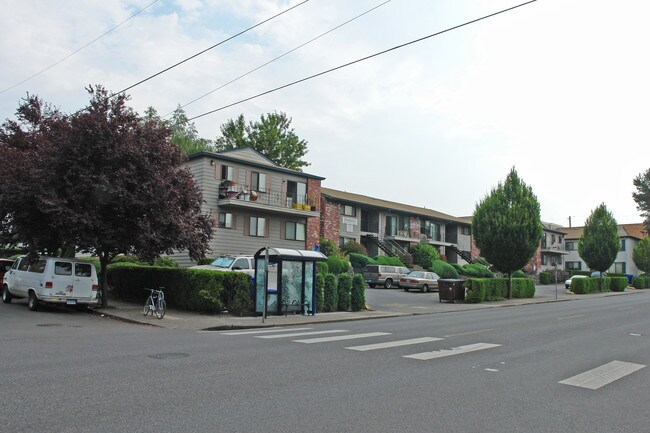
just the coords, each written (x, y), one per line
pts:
(421, 280)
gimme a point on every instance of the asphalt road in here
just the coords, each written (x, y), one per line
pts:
(493, 370)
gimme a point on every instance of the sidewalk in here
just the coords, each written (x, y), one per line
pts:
(186, 320)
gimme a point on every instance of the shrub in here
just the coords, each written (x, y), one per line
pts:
(337, 265)
(322, 268)
(165, 262)
(331, 297)
(359, 261)
(619, 284)
(129, 258)
(576, 272)
(518, 274)
(476, 270)
(407, 259)
(459, 268)
(328, 247)
(424, 255)
(545, 278)
(641, 282)
(581, 286)
(388, 260)
(443, 269)
(205, 261)
(494, 289)
(320, 292)
(189, 289)
(353, 247)
(358, 295)
(344, 292)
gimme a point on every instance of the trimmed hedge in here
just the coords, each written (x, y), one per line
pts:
(641, 282)
(424, 255)
(495, 289)
(189, 289)
(344, 289)
(576, 272)
(358, 295)
(545, 278)
(518, 274)
(443, 269)
(359, 261)
(388, 260)
(581, 286)
(320, 292)
(337, 265)
(476, 270)
(331, 298)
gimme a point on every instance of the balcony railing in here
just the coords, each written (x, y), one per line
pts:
(270, 197)
(553, 247)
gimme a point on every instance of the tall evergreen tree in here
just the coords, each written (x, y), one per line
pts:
(642, 197)
(599, 242)
(641, 255)
(507, 227)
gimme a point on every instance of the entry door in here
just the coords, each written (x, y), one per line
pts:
(83, 281)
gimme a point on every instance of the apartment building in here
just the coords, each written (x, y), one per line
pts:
(629, 236)
(386, 227)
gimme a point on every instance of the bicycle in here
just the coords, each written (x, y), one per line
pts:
(155, 303)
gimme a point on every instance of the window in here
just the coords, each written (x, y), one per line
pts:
(391, 225)
(570, 246)
(294, 231)
(622, 248)
(227, 172)
(619, 268)
(349, 210)
(466, 230)
(297, 191)
(24, 264)
(431, 230)
(544, 259)
(241, 263)
(257, 226)
(82, 269)
(62, 268)
(343, 241)
(258, 181)
(225, 220)
(404, 221)
(573, 265)
(38, 266)
(552, 239)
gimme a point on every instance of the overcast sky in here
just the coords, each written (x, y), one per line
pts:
(559, 89)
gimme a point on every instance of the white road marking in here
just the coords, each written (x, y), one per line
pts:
(259, 331)
(298, 334)
(625, 308)
(634, 334)
(603, 375)
(571, 317)
(491, 369)
(341, 337)
(470, 333)
(449, 352)
(394, 344)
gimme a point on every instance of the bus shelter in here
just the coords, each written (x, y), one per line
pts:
(286, 279)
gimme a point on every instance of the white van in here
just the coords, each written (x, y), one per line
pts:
(244, 264)
(55, 280)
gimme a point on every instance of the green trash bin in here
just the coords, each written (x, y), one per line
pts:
(451, 290)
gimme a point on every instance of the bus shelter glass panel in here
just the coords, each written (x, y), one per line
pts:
(309, 286)
(292, 284)
(272, 304)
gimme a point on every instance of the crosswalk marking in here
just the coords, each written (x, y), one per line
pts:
(603, 375)
(261, 331)
(449, 352)
(298, 334)
(394, 343)
(341, 337)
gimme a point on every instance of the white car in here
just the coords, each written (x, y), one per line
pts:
(244, 264)
(567, 283)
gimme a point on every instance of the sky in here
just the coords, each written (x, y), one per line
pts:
(558, 89)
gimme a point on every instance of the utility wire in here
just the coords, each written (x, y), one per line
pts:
(79, 49)
(280, 56)
(361, 59)
(209, 48)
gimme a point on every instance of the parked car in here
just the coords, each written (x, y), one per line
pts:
(54, 280)
(383, 275)
(596, 274)
(567, 283)
(231, 263)
(421, 280)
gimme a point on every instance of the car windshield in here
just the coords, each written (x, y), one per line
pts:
(416, 274)
(223, 262)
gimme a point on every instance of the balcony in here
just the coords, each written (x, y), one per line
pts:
(553, 248)
(235, 195)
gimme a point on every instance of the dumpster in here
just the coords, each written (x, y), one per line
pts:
(451, 290)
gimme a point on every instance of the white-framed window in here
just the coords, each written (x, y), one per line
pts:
(348, 210)
(573, 265)
(258, 181)
(619, 268)
(227, 172)
(225, 220)
(257, 226)
(570, 246)
(466, 230)
(294, 231)
(622, 248)
(343, 241)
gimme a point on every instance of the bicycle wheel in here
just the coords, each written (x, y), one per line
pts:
(147, 306)
(162, 308)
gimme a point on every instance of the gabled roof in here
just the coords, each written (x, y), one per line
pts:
(555, 228)
(624, 231)
(348, 197)
(251, 157)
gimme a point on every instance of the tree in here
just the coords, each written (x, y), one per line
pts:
(599, 242)
(184, 133)
(641, 255)
(103, 180)
(272, 136)
(507, 226)
(642, 197)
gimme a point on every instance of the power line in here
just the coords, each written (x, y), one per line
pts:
(79, 49)
(280, 56)
(209, 48)
(361, 59)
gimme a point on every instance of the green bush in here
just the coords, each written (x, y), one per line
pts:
(358, 295)
(322, 268)
(353, 247)
(331, 297)
(358, 261)
(581, 286)
(129, 258)
(459, 268)
(518, 274)
(328, 247)
(189, 289)
(424, 255)
(388, 260)
(545, 278)
(344, 292)
(320, 292)
(206, 261)
(641, 282)
(476, 270)
(337, 265)
(443, 269)
(577, 272)
(165, 262)
(495, 289)
(619, 284)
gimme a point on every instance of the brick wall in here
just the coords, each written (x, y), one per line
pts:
(330, 220)
(314, 223)
(534, 266)
(414, 227)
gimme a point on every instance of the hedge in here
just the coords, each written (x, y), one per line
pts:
(495, 289)
(337, 265)
(188, 289)
(331, 298)
(476, 270)
(545, 278)
(358, 296)
(388, 260)
(344, 289)
(359, 261)
(443, 269)
(320, 292)
(581, 286)
(641, 282)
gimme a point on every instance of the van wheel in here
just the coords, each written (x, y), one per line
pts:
(425, 288)
(371, 285)
(6, 296)
(406, 289)
(32, 302)
(388, 284)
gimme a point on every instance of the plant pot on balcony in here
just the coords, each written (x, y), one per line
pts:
(306, 207)
(297, 206)
(231, 194)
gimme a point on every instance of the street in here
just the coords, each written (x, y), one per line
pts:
(491, 370)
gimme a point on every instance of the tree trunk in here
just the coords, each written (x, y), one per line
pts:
(510, 285)
(103, 284)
